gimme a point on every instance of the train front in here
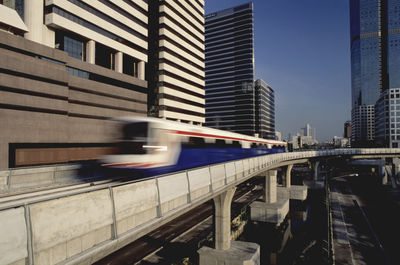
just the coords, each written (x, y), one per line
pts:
(144, 149)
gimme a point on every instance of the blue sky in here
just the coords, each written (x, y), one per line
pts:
(302, 51)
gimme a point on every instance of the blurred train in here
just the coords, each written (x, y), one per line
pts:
(152, 146)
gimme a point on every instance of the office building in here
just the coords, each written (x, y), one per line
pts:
(175, 70)
(375, 53)
(230, 94)
(387, 119)
(340, 142)
(347, 129)
(264, 110)
(66, 68)
(81, 63)
(308, 131)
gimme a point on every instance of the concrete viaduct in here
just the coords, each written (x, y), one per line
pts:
(85, 227)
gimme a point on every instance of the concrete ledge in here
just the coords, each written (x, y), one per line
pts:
(4, 180)
(282, 193)
(240, 253)
(31, 177)
(293, 193)
(66, 174)
(269, 212)
(314, 185)
(298, 192)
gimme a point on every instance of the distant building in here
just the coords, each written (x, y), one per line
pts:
(340, 141)
(278, 136)
(306, 137)
(264, 110)
(347, 129)
(229, 61)
(308, 131)
(300, 141)
(375, 64)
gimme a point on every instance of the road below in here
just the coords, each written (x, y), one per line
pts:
(365, 220)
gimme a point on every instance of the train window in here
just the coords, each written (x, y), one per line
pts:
(219, 143)
(135, 131)
(253, 145)
(134, 138)
(195, 142)
(236, 144)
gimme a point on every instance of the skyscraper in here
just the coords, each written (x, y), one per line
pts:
(347, 129)
(176, 60)
(230, 95)
(375, 60)
(264, 110)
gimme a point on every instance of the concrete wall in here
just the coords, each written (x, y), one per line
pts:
(70, 228)
(14, 238)
(65, 227)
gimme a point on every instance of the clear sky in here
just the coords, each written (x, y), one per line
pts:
(302, 50)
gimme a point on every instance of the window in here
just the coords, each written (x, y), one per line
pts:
(195, 143)
(134, 138)
(130, 65)
(73, 45)
(219, 143)
(104, 56)
(17, 5)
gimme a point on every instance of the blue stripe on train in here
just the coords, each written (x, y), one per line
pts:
(191, 158)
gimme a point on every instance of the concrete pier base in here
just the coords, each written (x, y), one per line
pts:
(314, 185)
(295, 192)
(240, 253)
(269, 212)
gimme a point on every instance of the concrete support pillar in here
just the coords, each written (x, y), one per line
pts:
(289, 191)
(316, 166)
(118, 62)
(91, 52)
(382, 172)
(269, 194)
(270, 209)
(33, 18)
(141, 73)
(227, 252)
(396, 168)
(223, 219)
(287, 183)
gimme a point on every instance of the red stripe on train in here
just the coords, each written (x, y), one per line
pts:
(221, 137)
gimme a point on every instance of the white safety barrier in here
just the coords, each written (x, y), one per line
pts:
(19, 179)
(80, 228)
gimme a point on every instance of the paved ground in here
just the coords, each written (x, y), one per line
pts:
(357, 237)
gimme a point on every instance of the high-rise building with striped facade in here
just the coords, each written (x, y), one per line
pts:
(82, 62)
(176, 60)
(264, 110)
(230, 95)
